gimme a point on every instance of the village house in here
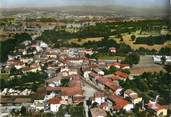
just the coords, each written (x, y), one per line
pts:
(52, 66)
(121, 75)
(26, 59)
(118, 91)
(157, 59)
(103, 82)
(124, 66)
(51, 72)
(102, 62)
(52, 55)
(98, 71)
(64, 70)
(105, 106)
(77, 61)
(108, 84)
(54, 104)
(99, 98)
(73, 93)
(119, 103)
(112, 50)
(98, 112)
(19, 65)
(160, 110)
(38, 105)
(43, 45)
(93, 77)
(26, 43)
(55, 81)
(72, 71)
(119, 66)
(133, 96)
(33, 68)
(66, 50)
(12, 62)
(86, 51)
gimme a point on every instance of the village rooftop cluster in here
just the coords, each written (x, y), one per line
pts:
(69, 72)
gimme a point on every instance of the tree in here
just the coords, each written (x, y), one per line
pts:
(121, 39)
(95, 104)
(168, 68)
(79, 39)
(165, 51)
(126, 71)
(111, 70)
(64, 82)
(13, 112)
(23, 110)
(132, 58)
(133, 37)
(163, 60)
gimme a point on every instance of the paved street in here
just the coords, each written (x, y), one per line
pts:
(88, 91)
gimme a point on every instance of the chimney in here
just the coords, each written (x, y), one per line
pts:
(156, 99)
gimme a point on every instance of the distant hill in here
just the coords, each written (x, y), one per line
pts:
(91, 10)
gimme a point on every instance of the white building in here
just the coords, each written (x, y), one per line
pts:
(99, 98)
(54, 104)
(38, 105)
(157, 59)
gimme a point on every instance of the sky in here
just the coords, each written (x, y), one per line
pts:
(53, 3)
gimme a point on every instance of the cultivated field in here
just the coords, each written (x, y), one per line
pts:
(127, 40)
(85, 40)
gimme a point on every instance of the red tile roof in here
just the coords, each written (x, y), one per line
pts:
(119, 101)
(53, 88)
(108, 83)
(120, 104)
(71, 91)
(115, 78)
(121, 74)
(55, 100)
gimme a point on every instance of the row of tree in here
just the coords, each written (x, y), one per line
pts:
(151, 40)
